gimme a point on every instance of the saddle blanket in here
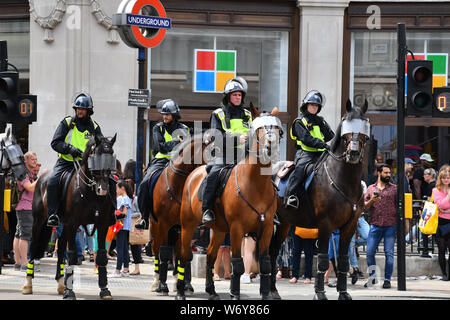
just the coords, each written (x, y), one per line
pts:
(283, 183)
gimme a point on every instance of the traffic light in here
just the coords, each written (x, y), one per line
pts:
(26, 108)
(9, 84)
(419, 88)
(441, 108)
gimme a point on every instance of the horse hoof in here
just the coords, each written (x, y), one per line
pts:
(320, 296)
(26, 289)
(344, 296)
(180, 297)
(188, 290)
(61, 286)
(235, 297)
(214, 296)
(266, 297)
(155, 285)
(163, 289)
(105, 294)
(69, 295)
(275, 295)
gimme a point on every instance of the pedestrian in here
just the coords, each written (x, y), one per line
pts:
(223, 256)
(420, 185)
(441, 197)
(429, 176)
(249, 257)
(380, 201)
(124, 204)
(302, 245)
(24, 212)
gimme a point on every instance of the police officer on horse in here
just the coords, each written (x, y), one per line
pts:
(310, 133)
(166, 135)
(69, 140)
(233, 122)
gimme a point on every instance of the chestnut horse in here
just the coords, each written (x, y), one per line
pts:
(334, 200)
(247, 204)
(166, 206)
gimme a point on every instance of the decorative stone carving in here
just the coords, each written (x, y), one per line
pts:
(47, 14)
(105, 20)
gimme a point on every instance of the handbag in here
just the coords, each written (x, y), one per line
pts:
(428, 222)
(306, 233)
(138, 236)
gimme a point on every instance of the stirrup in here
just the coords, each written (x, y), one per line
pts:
(53, 221)
(292, 201)
(208, 216)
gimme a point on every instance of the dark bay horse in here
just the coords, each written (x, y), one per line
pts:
(90, 199)
(247, 204)
(166, 206)
(334, 200)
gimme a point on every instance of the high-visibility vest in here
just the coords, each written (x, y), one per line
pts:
(167, 137)
(236, 125)
(314, 131)
(76, 138)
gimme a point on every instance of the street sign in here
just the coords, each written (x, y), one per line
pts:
(145, 30)
(139, 98)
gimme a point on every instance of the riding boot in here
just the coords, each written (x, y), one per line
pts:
(209, 195)
(291, 198)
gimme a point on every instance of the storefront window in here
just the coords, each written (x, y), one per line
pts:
(261, 59)
(17, 35)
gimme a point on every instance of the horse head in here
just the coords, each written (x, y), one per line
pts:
(11, 156)
(101, 161)
(266, 132)
(354, 131)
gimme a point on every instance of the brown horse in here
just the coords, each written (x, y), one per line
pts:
(334, 200)
(166, 206)
(247, 204)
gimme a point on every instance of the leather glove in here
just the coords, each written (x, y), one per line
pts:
(326, 146)
(75, 152)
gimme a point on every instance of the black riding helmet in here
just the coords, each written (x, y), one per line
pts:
(233, 85)
(84, 101)
(313, 96)
(168, 106)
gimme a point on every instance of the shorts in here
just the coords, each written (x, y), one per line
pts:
(24, 224)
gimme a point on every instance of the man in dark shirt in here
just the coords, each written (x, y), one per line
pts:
(420, 185)
(380, 201)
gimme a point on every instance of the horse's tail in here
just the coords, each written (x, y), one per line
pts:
(41, 232)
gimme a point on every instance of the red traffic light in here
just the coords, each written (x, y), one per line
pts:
(421, 74)
(419, 88)
(8, 95)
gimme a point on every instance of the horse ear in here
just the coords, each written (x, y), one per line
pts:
(365, 106)
(254, 110)
(114, 138)
(274, 111)
(348, 105)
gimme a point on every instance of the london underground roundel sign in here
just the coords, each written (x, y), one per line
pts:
(141, 23)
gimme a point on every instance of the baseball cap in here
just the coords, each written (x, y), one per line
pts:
(426, 157)
(409, 160)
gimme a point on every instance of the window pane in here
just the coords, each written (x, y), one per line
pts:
(261, 59)
(17, 35)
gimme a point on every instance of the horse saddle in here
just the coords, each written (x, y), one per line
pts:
(281, 177)
(224, 175)
(145, 192)
(63, 186)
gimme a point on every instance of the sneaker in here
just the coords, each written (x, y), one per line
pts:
(370, 282)
(115, 275)
(245, 278)
(279, 274)
(425, 255)
(386, 284)
(125, 273)
(17, 267)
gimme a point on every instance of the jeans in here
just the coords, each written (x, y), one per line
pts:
(363, 230)
(374, 238)
(123, 255)
(300, 245)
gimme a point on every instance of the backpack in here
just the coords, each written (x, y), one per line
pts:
(16, 193)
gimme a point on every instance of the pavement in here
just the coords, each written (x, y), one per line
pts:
(138, 287)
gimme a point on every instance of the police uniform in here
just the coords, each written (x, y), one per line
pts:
(164, 141)
(310, 133)
(69, 140)
(232, 122)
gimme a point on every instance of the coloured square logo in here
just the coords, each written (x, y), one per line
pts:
(212, 69)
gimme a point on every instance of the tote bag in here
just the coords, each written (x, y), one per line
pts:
(138, 236)
(428, 222)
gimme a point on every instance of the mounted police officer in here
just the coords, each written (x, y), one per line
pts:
(166, 135)
(310, 132)
(69, 140)
(233, 122)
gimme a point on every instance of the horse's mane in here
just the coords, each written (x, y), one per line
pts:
(87, 151)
